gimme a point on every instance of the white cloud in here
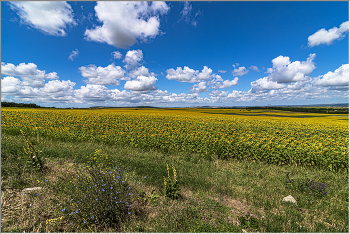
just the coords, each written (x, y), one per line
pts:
(10, 84)
(218, 93)
(205, 74)
(199, 88)
(285, 72)
(50, 17)
(58, 87)
(222, 71)
(263, 84)
(235, 94)
(93, 92)
(188, 74)
(73, 55)
(117, 55)
(324, 36)
(26, 70)
(132, 58)
(235, 65)
(54, 90)
(186, 14)
(280, 61)
(226, 83)
(340, 77)
(102, 75)
(255, 68)
(125, 22)
(142, 83)
(240, 71)
(140, 71)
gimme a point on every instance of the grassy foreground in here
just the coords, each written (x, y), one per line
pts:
(215, 195)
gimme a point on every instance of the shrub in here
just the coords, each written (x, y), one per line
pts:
(99, 196)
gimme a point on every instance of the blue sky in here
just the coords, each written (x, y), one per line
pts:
(174, 54)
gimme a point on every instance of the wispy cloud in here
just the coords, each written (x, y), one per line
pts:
(74, 54)
(187, 16)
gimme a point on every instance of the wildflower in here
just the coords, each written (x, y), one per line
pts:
(144, 177)
(37, 194)
(63, 209)
(71, 213)
(92, 217)
(96, 199)
(130, 194)
(84, 221)
(111, 187)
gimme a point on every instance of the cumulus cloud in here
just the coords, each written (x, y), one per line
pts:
(54, 90)
(284, 71)
(132, 58)
(142, 83)
(50, 17)
(10, 85)
(239, 71)
(125, 22)
(218, 93)
(28, 70)
(102, 75)
(324, 36)
(73, 55)
(226, 83)
(117, 55)
(140, 71)
(93, 92)
(188, 75)
(264, 84)
(199, 88)
(340, 77)
(255, 68)
(57, 87)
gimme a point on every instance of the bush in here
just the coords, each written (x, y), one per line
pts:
(99, 196)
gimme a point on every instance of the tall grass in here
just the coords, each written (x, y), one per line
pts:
(216, 195)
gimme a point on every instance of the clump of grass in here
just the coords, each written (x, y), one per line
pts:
(99, 196)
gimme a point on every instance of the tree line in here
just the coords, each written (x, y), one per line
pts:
(29, 105)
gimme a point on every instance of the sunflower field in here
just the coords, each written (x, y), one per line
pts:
(285, 138)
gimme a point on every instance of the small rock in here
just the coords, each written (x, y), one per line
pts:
(289, 199)
(31, 189)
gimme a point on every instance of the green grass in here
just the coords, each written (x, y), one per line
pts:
(216, 194)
